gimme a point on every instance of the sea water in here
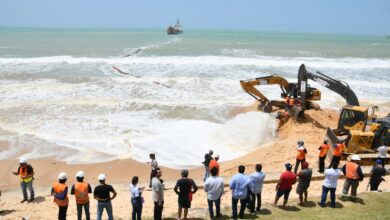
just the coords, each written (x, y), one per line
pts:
(60, 97)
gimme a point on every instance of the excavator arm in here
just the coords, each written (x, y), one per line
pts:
(249, 87)
(337, 86)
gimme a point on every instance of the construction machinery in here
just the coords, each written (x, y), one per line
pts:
(361, 132)
(289, 91)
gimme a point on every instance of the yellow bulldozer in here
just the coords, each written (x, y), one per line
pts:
(360, 131)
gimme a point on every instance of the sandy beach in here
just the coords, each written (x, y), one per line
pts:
(272, 156)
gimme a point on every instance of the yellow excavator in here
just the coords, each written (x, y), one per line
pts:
(290, 91)
(362, 133)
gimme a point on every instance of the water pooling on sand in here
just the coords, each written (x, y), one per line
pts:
(68, 103)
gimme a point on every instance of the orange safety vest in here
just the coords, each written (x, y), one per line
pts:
(351, 170)
(81, 192)
(59, 188)
(324, 149)
(338, 151)
(23, 173)
(214, 163)
(301, 153)
(291, 102)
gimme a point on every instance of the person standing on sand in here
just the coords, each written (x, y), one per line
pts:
(60, 192)
(81, 190)
(330, 184)
(322, 156)
(353, 174)
(377, 173)
(337, 153)
(136, 199)
(154, 165)
(158, 195)
(26, 175)
(239, 185)
(207, 158)
(301, 155)
(304, 182)
(257, 179)
(284, 186)
(102, 194)
(187, 188)
(214, 163)
(214, 187)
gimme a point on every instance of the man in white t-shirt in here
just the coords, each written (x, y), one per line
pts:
(158, 194)
(214, 187)
(382, 154)
(330, 184)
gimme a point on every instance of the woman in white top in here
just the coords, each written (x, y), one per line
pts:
(330, 184)
(136, 198)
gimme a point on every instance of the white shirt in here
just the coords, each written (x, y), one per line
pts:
(382, 151)
(214, 187)
(331, 177)
(134, 190)
(154, 164)
(257, 179)
(157, 188)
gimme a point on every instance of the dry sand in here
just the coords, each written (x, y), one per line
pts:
(272, 156)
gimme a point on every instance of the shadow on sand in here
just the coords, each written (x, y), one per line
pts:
(6, 212)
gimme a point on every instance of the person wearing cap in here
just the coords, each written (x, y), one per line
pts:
(304, 182)
(153, 165)
(330, 185)
(257, 179)
(376, 175)
(207, 158)
(284, 185)
(214, 187)
(239, 185)
(60, 192)
(26, 174)
(301, 155)
(322, 156)
(185, 188)
(382, 154)
(158, 195)
(102, 194)
(353, 174)
(81, 190)
(214, 163)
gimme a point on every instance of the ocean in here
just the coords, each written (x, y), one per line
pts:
(60, 98)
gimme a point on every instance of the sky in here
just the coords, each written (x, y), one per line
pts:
(329, 16)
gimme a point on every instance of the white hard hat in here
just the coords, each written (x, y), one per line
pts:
(216, 155)
(355, 157)
(62, 176)
(80, 174)
(102, 176)
(22, 160)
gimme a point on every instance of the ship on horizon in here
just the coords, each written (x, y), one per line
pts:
(177, 29)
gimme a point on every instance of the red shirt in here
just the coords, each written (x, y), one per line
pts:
(214, 163)
(287, 179)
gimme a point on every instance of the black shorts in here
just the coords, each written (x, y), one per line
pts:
(184, 203)
(285, 192)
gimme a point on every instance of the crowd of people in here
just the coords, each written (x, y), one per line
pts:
(245, 189)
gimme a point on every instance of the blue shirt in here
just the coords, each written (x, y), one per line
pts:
(239, 185)
(257, 179)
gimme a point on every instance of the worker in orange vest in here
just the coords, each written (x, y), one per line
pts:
(214, 163)
(338, 150)
(81, 190)
(26, 175)
(322, 156)
(60, 193)
(353, 174)
(301, 155)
